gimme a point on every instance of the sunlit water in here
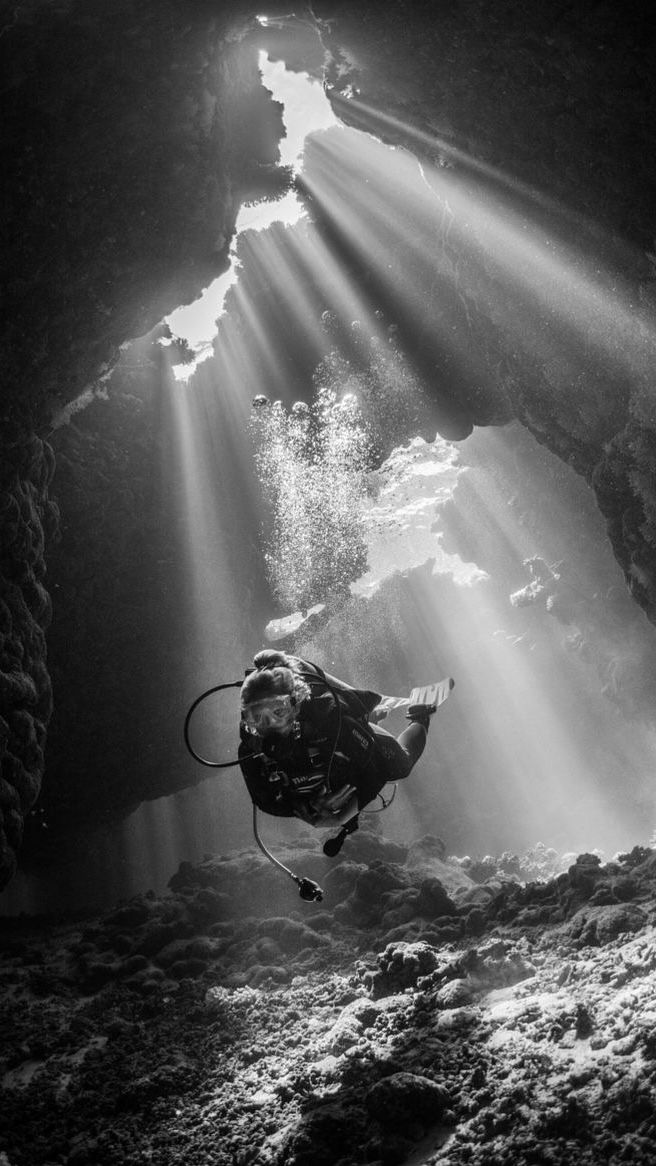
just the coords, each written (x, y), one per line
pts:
(527, 749)
(307, 110)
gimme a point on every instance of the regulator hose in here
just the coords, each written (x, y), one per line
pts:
(309, 891)
(199, 700)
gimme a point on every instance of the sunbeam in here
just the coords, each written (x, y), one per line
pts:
(412, 294)
(370, 295)
(306, 110)
(557, 303)
(425, 246)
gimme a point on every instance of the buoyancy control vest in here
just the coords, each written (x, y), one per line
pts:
(331, 745)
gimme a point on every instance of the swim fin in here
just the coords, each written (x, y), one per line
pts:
(431, 695)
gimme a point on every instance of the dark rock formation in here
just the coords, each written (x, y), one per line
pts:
(132, 133)
(181, 1028)
(28, 518)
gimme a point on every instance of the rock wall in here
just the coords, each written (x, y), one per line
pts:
(117, 588)
(123, 646)
(28, 517)
(132, 133)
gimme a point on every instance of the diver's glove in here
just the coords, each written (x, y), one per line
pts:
(334, 803)
(329, 809)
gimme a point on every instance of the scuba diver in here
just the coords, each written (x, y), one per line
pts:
(311, 746)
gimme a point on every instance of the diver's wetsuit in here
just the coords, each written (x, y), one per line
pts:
(284, 774)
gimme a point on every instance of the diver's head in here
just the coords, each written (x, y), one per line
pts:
(272, 716)
(270, 697)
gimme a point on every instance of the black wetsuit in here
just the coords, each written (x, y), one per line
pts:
(332, 745)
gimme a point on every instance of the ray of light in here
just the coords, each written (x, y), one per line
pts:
(352, 184)
(566, 279)
(551, 759)
(401, 255)
(407, 229)
(446, 154)
(315, 259)
(272, 264)
(208, 459)
(528, 772)
(306, 110)
(257, 347)
(306, 276)
(526, 750)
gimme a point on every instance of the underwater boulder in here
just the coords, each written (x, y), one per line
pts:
(400, 966)
(406, 1097)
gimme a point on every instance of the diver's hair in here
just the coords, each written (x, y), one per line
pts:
(269, 658)
(275, 674)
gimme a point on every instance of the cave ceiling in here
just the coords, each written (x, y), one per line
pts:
(132, 135)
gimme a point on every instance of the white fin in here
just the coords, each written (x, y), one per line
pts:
(429, 694)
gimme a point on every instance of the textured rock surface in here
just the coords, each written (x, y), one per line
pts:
(182, 1028)
(28, 522)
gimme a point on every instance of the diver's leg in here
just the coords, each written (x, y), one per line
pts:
(413, 740)
(399, 754)
(392, 761)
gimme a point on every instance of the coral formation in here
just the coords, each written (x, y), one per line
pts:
(200, 1026)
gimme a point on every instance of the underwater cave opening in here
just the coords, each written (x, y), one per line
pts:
(306, 110)
(371, 292)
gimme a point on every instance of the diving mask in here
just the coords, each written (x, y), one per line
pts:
(274, 713)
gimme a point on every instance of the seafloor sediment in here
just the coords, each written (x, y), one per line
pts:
(428, 1011)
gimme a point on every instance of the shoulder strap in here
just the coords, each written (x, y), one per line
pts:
(335, 687)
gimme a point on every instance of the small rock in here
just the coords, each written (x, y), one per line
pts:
(405, 1097)
(400, 966)
(454, 994)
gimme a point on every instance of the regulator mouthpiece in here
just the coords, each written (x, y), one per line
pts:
(309, 891)
(333, 846)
